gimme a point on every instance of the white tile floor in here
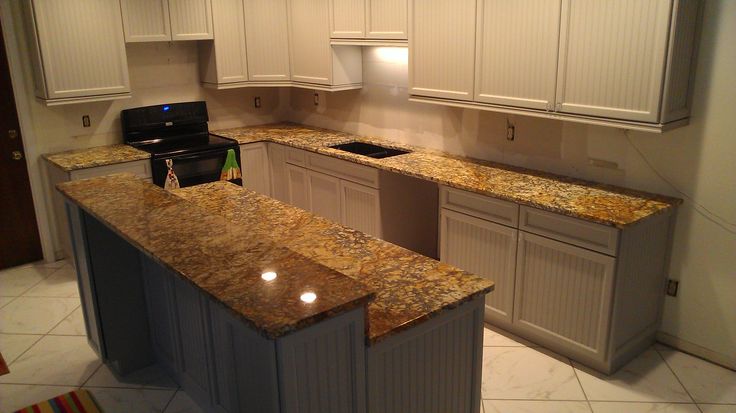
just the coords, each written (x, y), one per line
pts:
(42, 339)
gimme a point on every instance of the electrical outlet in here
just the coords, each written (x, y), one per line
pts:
(672, 286)
(257, 102)
(510, 131)
(316, 98)
(85, 121)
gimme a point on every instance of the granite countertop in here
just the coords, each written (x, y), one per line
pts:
(222, 238)
(223, 259)
(600, 203)
(409, 287)
(96, 156)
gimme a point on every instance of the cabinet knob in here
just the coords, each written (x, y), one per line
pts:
(17, 155)
(12, 134)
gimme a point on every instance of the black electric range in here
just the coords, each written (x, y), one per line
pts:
(178, 132)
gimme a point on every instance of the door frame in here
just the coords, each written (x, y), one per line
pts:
(21, 92)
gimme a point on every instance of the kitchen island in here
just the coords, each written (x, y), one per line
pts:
(254, 305)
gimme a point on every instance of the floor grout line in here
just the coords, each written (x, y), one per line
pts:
(580, 383)
(170, 400)
(24, 351)
(664, 360)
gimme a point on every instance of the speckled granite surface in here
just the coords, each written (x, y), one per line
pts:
(222, 258)
(96, 156)
(409, 287)
(599, 203)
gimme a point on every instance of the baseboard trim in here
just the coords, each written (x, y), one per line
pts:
(725, 360)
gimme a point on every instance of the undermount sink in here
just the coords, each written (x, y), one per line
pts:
(369, 149)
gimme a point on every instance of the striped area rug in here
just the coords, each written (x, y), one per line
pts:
(78, 401)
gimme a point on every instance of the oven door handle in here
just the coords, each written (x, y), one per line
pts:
(198, 155)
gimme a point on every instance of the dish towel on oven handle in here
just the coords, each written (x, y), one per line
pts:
(172, 182)
(230, 170)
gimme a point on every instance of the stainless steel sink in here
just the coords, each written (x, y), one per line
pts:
(369, 150)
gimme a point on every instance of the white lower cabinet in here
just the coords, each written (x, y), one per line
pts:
(255, 167)
(486, 249)
(279, 176)
(564, 294)
(324, 195)
(361, 208)
(298, 186)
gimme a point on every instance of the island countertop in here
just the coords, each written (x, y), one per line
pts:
(222, 238)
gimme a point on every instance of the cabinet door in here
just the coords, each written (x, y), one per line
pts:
(361, 208)
(386, 19)
(347, 19)
(255, 167)
(309, 32)
(298, 186)
(485, 249)
(442, 51)
(82, 47)
(267, 36)
(563, 294)
(612, 58)
(159, 290)
(226, 58)
(192, 315)
(279, 176)
(516, 52)
(324, 196)
(146, 20)
(191, 19)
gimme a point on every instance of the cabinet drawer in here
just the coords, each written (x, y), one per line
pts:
(480, 206)
(141, 169)
(574, 231)
(296, 156)
(360, 174)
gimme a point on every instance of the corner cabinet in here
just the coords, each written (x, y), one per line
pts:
(267, 38)
(167, 20)
(589, 291)
(622, 63)
(78, 50)
(369, 20)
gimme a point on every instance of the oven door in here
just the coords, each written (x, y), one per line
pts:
(194, 168)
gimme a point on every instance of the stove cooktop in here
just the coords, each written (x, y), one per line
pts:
(170, 147)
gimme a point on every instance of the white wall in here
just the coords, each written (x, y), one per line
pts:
(698, 160)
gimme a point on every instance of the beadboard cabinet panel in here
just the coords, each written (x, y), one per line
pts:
(225, 60)
(442, 48)
(279, 176)
(81, 48)
(267, 38)
(612, 58)
(146, 20)
(324, 196)
(386, 19)
(298, 186)
(347, 19)
(191, 19)
(311, 55)
(361, 208)
(516, 54)
(255, 167)
(487, 250)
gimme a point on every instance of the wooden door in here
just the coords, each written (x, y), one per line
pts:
(146, 20)
(298, 186)
(563, 294)
(485, 249)
(347, 19)
(20, 242)
(255, 167)
(442, 49)
(612, 58)
(361, 208)
(386, 19)
(191, 19)
(516, 52)
(82, 47)
(309, 34)
(267, 37)
(324, 196)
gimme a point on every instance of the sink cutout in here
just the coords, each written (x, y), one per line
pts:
(369, 150)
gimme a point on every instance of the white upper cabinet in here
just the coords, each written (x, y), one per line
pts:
(442, 48)
(225, 60)
(167, 20)
(516, 56)
(78, 50)
(191, 19)
(612, 58)
(266, 34)
(146, 20)
(386, 19)
(313, 60)
(368, 19)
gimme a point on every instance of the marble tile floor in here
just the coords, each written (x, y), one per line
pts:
(42, 339)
